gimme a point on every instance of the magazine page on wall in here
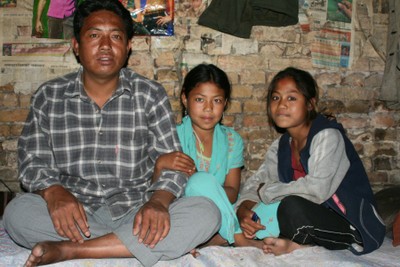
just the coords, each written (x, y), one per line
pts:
(54, 18)
(8, 3)
(151, 17)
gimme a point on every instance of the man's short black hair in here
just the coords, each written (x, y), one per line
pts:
(87, 7)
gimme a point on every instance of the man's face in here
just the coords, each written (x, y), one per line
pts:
(104, 47)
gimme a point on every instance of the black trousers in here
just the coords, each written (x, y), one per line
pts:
(308, 223)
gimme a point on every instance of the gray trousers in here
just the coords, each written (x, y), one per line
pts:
(194, 220)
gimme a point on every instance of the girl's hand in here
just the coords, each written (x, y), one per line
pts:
(245, 214)
(176, 161)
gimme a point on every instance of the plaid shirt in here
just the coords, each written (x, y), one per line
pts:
(103, 156)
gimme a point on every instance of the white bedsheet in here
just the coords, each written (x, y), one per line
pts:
(12, 255)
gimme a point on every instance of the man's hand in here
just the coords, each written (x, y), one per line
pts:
(248, 226)
(66, 212)
(152, 221)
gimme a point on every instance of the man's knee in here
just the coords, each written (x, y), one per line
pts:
(207, 211)
(14, 214)
(20, 218)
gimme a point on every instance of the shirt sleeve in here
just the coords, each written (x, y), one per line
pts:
(328, 164)
(37, 168)
(164, 139)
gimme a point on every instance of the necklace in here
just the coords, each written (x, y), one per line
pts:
(204, 163)
(201, 145)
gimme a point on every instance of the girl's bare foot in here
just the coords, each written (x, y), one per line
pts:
(195, 253)
(242, 241)
(279, 246)
(216, 240)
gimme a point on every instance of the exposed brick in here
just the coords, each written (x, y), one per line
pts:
(378, 177)
(166, 58)
(8, 174)
(254, 164)
(357, 123)
(386, 151)
(272, 51)
(239, 63)
(241, 91)
(233, 77)
(7, 87)
(166, 75)
(382, 121)
(382, 163)
(385, 134)
(229, 120)
(252, 77)
(170, 89)
(24, 100)
(333, 107)
(354, 79)
(361, 106)
(253, 106)
(16, 129)
(349, 92)
(13, 115)
(8, 100)
(328, 78)
(255, 121)
(5, 130)
(234, 107)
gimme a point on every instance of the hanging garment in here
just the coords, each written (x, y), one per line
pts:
(237, 17)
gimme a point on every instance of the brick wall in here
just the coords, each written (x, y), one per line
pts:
(351, 93)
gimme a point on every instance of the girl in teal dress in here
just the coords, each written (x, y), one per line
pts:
(212, 153)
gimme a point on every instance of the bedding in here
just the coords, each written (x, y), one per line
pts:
(12, 255)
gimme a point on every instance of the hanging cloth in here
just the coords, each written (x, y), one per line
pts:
(237, 17)
(391, 78)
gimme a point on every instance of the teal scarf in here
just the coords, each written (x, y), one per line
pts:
(219, 155)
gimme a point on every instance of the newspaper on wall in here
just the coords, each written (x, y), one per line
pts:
(331, 20)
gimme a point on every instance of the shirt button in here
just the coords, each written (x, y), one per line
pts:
(103, 185)
(99, 161)
(100, 133)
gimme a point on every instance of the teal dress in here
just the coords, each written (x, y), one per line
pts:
(227, 153)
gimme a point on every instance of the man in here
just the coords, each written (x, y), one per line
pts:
(87, 155)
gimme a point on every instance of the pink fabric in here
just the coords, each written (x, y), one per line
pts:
(338, 203)
(61, 8)
(299, 173)
(396, 230)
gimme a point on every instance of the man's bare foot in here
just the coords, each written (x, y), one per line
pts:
(242, 241)
(97, 248)
(279, 246)
(45, 253)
